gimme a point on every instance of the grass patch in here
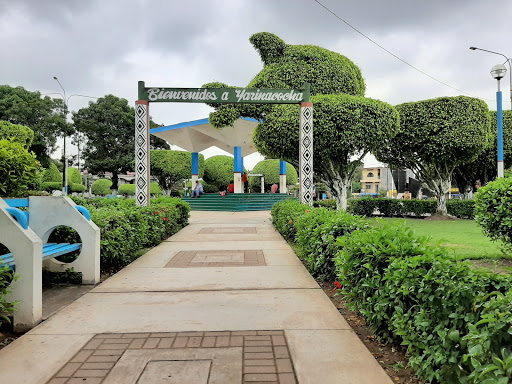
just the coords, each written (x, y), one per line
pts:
(464, 238)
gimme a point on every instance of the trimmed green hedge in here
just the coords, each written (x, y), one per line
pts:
(129, 189)
(454, 320)
(271, 172)
(463, 209)
(127, 228)
(101, 187)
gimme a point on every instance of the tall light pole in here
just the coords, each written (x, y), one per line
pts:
(65, 172)
(509, 61)
(498, 72)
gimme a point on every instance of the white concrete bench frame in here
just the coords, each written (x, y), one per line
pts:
(45, 214)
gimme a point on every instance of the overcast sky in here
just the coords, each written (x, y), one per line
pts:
(104, 47)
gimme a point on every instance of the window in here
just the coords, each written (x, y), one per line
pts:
(368, 186)
(370, 174)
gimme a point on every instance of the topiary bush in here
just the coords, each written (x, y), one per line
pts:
(493, 210)
(78, 188)
(50, 186)
(19, 169)
(74, 176)
(219, 171)
(52, 174)
(101, 187)
(271, 172)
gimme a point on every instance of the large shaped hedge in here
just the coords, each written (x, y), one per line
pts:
(271, 172)
(219, 170)
(346, 126)
(435, 137)
(170, 167)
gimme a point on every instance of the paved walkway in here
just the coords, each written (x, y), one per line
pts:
(225, 300)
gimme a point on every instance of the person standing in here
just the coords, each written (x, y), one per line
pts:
(198, 189)
(246, 182)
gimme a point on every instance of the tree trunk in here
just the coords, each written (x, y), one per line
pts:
(339, 191)
(441, 191)
(115, 180)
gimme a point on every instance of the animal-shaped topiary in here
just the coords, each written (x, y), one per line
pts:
(291, 66)
(346, 125)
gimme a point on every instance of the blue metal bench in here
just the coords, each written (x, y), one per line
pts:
(25, 232)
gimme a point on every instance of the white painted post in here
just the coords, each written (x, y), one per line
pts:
(306, 153)
(142, 168)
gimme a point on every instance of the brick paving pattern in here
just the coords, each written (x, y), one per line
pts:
(217, 258)
(266, 358)
(227, 230)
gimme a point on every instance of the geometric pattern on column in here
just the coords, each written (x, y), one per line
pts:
(306, 153)
(142, 169)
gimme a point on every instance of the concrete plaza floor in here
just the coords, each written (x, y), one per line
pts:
(225, 300)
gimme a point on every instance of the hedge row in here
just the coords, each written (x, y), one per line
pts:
(463, 209)
(454, 320)
(126, 228)
(315, 231)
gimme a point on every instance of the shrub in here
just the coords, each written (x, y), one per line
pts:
(489, 341)
(78, 188)
(6, 307)
(126, 228)
(170, 167)
(362, 207)
(329, 204)
(463, 209)
(317, 234)
(271, 172)
(16, 133)
(218, 170)
(434, 299)
(362, 261)
(101, 187)
(493, 210)
(419, 207)
(19, 169)
(284, 215)
(50, 186)
(52, 174)
(74, 176)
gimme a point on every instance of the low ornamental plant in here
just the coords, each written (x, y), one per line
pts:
(6, 307)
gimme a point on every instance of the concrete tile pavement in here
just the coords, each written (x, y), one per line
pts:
(146, 300)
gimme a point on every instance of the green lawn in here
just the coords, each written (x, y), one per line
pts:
(463, 237)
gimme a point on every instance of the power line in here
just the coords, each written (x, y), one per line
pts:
(391, 53)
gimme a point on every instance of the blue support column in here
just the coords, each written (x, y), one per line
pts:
(499, 113)
(238, 169)
(282, 177)
(195, 168)
(195, 163)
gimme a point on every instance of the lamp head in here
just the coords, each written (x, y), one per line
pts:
(473, 48)
(498, 71)
(54, 77)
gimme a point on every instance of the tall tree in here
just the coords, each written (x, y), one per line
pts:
(108, 127)
(170, 167)
(44, 115)
(436, 136)
(346, 126)
(484, 168)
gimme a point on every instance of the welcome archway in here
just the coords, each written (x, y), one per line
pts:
(148, 95)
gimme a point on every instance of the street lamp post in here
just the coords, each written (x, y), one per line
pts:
(65, 172)
(508, 60)
(498, 72)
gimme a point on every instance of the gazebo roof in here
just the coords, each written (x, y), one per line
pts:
(198, 135)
